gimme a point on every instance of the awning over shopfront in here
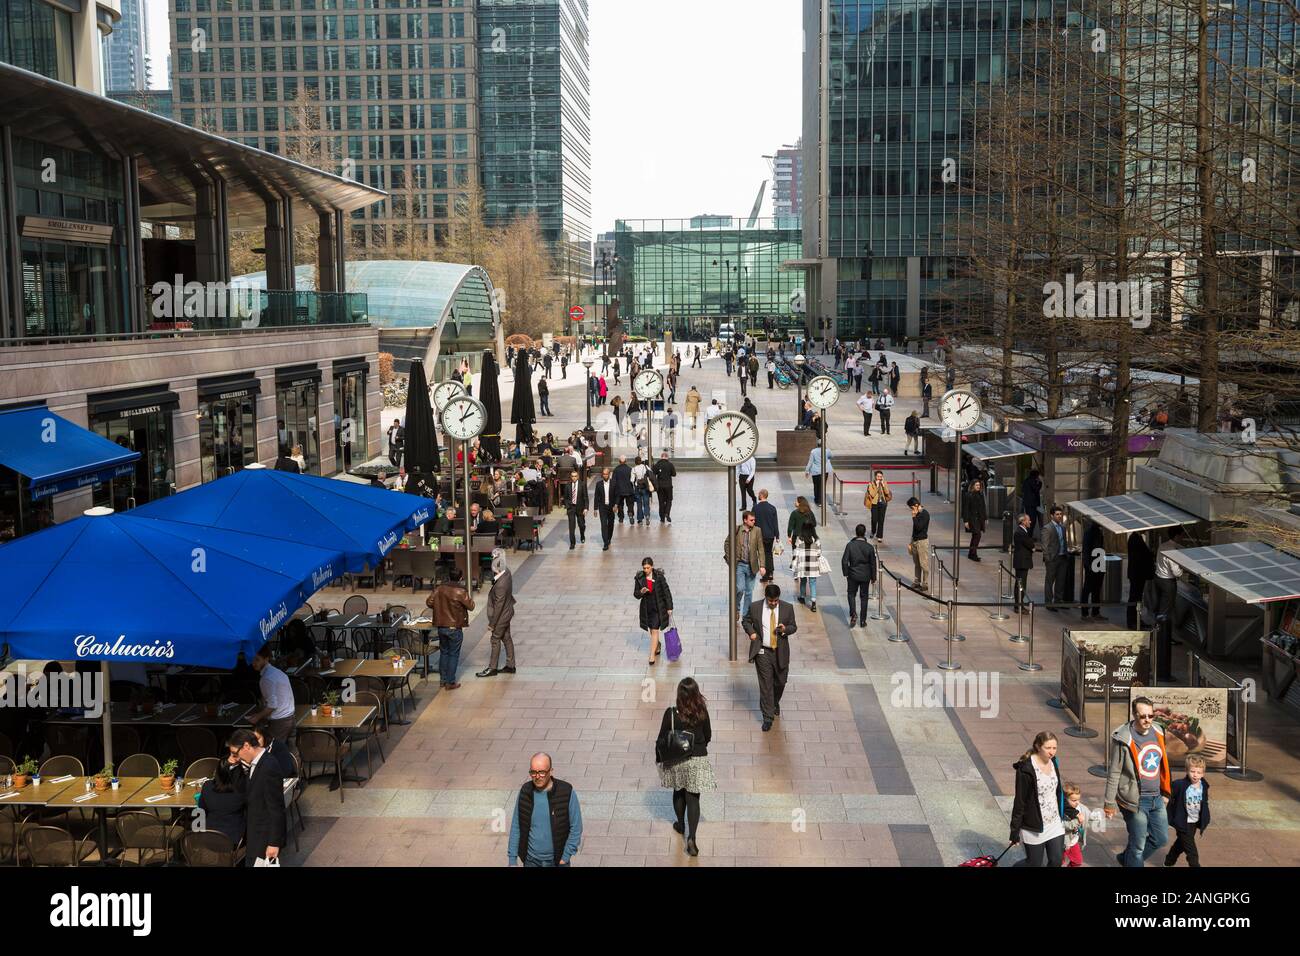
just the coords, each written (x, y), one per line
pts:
(55, 455)
(1253, 571)
(998, 448)
(1125, 514)
(985, 426)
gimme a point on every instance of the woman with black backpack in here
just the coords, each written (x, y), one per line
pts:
(682, 752)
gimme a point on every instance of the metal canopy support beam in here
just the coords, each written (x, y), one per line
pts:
(326, 249)
(277, 267)
(207, 232)
(340, 252)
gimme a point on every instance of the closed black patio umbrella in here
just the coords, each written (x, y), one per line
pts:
(489, 393)
(423, 459)
(522, 411)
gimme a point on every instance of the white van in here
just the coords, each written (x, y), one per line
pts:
(726, 332)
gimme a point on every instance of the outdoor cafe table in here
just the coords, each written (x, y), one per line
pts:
(177, 715)
(75, 796)
(349, 623)
(353, 717)
(383, 669)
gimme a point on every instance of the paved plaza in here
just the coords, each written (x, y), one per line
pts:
(846, 776)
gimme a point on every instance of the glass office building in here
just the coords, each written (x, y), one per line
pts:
(535, 120)
(692, 275)
(126, 65)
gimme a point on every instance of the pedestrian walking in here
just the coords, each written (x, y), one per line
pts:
(876, 500)
(1141, 570)
(1038, 809)
(605, 503)
(771, 372)
(859, 568)
(851, 367)
(766, 518)
(750, 554)
(745, 476)
(692, 408)
(885, 406)
(919, 546)
(544, 398)
(770, 624)
(1055, 555)
(975, 513)
(500, 612)
(752, 364)
(449, 607)
(264, 789)
(696, 363)
(546, 827)
(1138, 784)
(616, 406)
(817, 469)
(1022, 562)
(656, 611)
(602, 390)
(867, 405)
(1094, 570)
(874, 378)
(642, 489)
(576, 504)
(396, 442)
(927, 395)
(682, 753)
(1189, 811)
(912, 428)
(800, 516)
(806, 564)
(664, 472)
(895, 377)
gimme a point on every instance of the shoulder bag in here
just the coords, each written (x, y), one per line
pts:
(674, 746)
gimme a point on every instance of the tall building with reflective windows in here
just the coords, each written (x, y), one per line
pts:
(410, 96)
(126, 64)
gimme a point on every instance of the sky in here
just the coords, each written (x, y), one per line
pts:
(687, 96)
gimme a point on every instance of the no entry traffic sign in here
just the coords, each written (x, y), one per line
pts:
(577, 313)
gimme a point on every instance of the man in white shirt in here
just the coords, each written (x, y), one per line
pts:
(1166, 592)
(713, 411)
(745, 474)
(885, 405)
(604, 504)
(277, 697)
(867, 405)
(769, 624)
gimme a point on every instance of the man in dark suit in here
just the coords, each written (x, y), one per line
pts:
(1022, 560)
(605, 499)
(1055, 555)
(769, 624)
(769, 524)
(624, 493)
(576, 505)
(1141, 569)
(265, 791)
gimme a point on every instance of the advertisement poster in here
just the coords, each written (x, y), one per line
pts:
(1195, 721)
(1119, 658)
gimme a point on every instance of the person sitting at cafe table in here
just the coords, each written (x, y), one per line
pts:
(277, 696)
(445, 522)
(296, 645)
(223, 800)
(487, 524)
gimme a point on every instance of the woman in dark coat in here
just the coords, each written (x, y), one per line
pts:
(651, 589)
(223, 801)
(1038, 811)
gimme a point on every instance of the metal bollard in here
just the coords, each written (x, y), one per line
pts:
(898, 637)
(934, 478)
(1030, 665)
(952, 628)
(916, 487)
(879, 613)
(940, 614)
(949, 665)
(1000, 614)
(1099, 769)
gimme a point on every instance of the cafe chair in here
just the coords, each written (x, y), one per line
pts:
(62, 766)
(196, 742)
(404, 685)
(291, 798)
(210, 848)
(380, 689)
(205, 768)
(55, 846)
(396, 612)
(401, 565)
(421, 645)
(305, 613)
(356, 604)
(322, 747)
(6, 766)
(524, 533)
(424, 567)
(368, 733)
(13, 824)
(138, 765)
(148, 837)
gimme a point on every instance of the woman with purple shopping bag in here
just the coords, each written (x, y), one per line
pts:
(651, 589)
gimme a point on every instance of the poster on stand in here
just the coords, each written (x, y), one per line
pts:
(1119, 658)
(1195, 721)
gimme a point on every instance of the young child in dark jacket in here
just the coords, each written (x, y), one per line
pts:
(1189, 811)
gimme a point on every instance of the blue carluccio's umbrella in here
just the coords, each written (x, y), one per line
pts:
(361, 523)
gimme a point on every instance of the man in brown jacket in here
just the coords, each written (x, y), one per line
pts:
(877, 500)
(749, 560)
(450, 604)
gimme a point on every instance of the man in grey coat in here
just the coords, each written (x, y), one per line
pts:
(500, 612)
(1056, 555)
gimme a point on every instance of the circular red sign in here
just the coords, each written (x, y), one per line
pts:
(577, 312)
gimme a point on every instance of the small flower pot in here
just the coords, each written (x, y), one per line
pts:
(327, 710)
(101, 783)
(21, 780)
(167, 781)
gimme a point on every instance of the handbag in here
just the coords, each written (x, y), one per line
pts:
(674, 746)
(672, 644)
(263, 861)
(823, 566)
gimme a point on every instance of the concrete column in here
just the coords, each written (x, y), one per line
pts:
(326, 248)
(208, 253)
(277, 269)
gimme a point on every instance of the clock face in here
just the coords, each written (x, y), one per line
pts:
(823, 392)
(463, 418)
(960, 410)
(649, 384)
(731, 438)
(444, 393)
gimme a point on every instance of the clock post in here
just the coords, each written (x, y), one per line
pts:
(732, 610)
(723, 441)
(960, 411)
(824, 393)
(956, 524)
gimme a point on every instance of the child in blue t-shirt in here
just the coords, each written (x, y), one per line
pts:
(1189, 811)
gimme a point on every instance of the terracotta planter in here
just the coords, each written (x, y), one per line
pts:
(21, 780)
(101, 783)
(167, 781)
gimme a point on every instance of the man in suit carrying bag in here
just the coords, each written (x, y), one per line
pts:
(576, 504)
(769, 624)
(265, 792)
(605, 499)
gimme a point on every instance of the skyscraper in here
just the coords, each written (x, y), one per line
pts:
(787, 186)
(126, 50)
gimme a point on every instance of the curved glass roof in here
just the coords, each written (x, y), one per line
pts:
(406, 294)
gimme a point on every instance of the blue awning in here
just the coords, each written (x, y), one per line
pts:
(55, 455)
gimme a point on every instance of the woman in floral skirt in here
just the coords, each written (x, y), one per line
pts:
(688, 778)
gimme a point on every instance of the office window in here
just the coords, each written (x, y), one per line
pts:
(288, 28)
(268, 29)
(268, 59)
(352, 58)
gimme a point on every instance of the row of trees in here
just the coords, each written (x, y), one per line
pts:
(1151, 147)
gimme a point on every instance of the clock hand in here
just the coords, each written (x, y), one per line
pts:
(737, 434)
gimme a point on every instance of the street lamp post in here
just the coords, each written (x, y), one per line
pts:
(799, 362)
(587, 364)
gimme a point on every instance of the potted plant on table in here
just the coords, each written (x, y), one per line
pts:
(23, 773)
(104, 778)
(168, 775)
(331, 703)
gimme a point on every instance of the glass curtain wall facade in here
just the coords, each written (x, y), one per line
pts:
(125, 65)
(37, 37)
(685, 275)
(535, 120)
(388, 85)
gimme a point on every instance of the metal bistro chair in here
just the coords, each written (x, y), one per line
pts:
(148, 836)
(369, 732)
(62, 766)
(524, 532)
(421, 645)
(379, 688)
(356, 604)
(401, 559)
(13, 824)
(138, 765)
(424, 567)
(210, 848)
(55, 846)
(399, 649)
(205, 768)
(291, 807)
(322, 747)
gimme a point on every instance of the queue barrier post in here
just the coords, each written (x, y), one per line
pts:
(1008, 532)
(1099, 769)
(1000, 614)
(952, 605)
(879, 613)
(898, 637)
(950, 664)
(1030, 665)
(940, 614)
(934, 478)
(1020, 620)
